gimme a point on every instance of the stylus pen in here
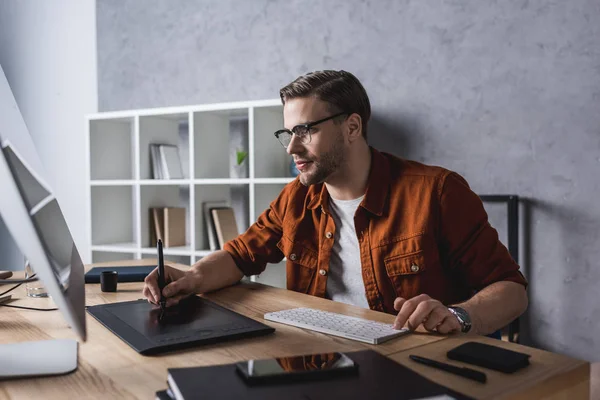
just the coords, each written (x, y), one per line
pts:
(461, 371)
(161, 274)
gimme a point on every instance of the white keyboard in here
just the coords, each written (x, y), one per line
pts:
(341, 325)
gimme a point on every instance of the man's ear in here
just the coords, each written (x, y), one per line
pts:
(354, 124)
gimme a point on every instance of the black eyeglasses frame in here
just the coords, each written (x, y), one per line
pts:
(306, 128)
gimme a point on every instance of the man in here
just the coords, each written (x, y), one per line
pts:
(367, 228)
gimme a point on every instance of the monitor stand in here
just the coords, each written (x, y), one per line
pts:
(40, 358)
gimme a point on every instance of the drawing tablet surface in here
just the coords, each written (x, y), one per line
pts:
(195, 321)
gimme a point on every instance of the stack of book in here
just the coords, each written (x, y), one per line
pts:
(165, 160)
(168, 225)
(221, 225)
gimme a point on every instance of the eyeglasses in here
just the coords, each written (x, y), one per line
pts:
(301, 131)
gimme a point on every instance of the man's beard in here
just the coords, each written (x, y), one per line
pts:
(325, 165)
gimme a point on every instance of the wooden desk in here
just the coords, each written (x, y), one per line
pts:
(549, 375)
(109, 367)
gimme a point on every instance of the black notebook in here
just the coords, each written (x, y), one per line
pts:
(378, 377)
(134, 273)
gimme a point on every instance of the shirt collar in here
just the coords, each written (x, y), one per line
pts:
(377, 187)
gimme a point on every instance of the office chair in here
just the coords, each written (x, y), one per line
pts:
(512, 204)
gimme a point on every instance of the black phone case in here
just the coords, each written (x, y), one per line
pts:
(488, 356)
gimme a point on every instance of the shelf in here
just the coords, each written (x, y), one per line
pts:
(216, 136)
(170, 129)
(175, 251)
(158, 196)
(165, 182)
(121, 188)
(226, 181)
(112, 182)
(270, 158)
(116, 247)
(110, 149)
(112, 215)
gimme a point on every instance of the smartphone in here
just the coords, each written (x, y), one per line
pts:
(297, 368)
(488, 356)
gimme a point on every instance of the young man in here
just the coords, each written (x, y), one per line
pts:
(367, 228)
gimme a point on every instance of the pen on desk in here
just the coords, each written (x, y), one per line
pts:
(461, 371)
(161, 274)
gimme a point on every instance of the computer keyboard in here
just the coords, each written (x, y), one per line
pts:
(341, 325)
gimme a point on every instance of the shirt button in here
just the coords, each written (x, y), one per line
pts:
(414, 268)
(323, 272)
(293, 257)
(329, 235)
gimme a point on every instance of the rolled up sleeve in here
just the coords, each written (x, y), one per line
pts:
(468, 242)
(256, 247)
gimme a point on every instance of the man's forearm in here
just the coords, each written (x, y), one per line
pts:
(215, 271)
(496, 306)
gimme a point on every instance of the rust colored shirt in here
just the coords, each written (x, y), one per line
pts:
(420, 230)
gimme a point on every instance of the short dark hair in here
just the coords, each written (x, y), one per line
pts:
(340, 89)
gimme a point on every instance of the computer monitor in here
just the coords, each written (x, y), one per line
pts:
(33, 216)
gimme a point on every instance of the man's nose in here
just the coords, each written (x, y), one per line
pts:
(295, 146)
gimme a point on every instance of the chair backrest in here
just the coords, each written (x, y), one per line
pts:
(512, 223)
(512, 215)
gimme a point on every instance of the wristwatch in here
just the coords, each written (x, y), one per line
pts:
(463, 318)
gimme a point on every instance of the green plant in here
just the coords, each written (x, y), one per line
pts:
(241, 156)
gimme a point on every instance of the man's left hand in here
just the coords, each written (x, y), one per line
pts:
(422, 309)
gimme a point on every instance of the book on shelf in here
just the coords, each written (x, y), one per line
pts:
(225, 225)
(167, 224)
(165, 161)
(211, 231)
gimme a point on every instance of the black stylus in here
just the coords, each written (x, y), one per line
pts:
(161, 275)
(461, 371)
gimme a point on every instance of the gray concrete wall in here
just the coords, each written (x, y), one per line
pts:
(504, 92)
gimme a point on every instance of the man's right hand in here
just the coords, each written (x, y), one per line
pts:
(179, 285)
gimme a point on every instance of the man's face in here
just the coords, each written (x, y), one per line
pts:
(324, 155)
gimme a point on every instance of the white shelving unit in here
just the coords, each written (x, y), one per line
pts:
(121, 189)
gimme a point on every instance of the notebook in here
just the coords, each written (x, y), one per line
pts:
(134, 273)
(378, 378)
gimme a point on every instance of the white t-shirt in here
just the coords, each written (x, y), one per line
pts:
(345, 283)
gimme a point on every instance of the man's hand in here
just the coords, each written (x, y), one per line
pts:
(422, 309)
(180, 284)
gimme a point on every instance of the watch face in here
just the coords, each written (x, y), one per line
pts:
(463, 318)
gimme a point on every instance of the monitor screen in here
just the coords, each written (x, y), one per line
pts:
(31, 213)
(47, 219)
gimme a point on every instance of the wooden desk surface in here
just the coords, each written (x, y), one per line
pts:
(109, 367)
(549, 375)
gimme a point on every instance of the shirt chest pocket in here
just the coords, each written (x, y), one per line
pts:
(408, 264)
(301, 264)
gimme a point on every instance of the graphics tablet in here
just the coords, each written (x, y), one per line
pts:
(194, 321)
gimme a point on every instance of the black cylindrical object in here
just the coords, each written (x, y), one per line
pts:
(108, 281)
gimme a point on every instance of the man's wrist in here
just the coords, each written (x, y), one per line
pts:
(463, 317)
(195, 274)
